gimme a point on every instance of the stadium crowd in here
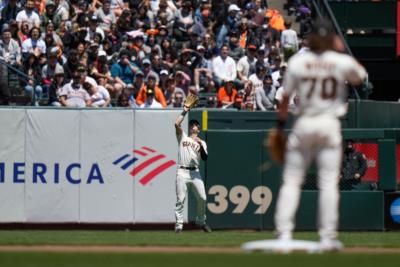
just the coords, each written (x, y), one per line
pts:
(148, 53)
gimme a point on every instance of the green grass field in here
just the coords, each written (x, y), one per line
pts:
(188, 238)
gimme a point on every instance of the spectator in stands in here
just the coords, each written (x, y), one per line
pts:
(19, 34)
(247, 64)
(29, 15)
(164, 74)
(49, 70)
(49, 15)
(182, 80)
(71, 64)
(34, 44)
(32, 69)
(171, 91)
(55, 88)
(123, 72)
(258, 85)
(279, 96)
(148, 71)
(73, 94)
(278, 75)
(230, 24)
(178, 100)
(209, 86)
(247, 95)
(235, 50)
(209, 44)
(269, 34)
(138, 83)
(9, 12)
(123, 100)
(155, 92)
(354, 167)
(10, 51)
(227, 95)
(99, 96)
(49, 30)
(150, 101)
(82, 53)
(157, 65)
(203, 19)
(262, 59)
(203, 69)
(93, 29)
(246, 35)
(101, 72)
(117, 7)
(265, 96)
(289, 41)
(194, 40)
(62, 9)
(149, 31)
(187, 62)
(224, 67)
(184, 20)
(106, 16)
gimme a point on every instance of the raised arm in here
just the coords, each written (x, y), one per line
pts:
(178, 122)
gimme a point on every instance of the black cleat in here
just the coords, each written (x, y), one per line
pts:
(206, 228)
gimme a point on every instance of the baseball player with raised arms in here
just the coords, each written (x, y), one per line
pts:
(191, 150)
(318, 78)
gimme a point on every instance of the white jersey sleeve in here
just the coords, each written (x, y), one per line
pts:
(319, 81)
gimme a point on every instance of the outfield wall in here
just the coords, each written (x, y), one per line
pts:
(118, 166)
(87, 166)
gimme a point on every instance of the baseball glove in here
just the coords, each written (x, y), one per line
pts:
(191, 101)
(276, 144)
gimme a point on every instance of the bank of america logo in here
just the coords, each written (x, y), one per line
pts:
(149, 164)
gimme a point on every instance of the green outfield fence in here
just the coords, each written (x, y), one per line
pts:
(242, 182)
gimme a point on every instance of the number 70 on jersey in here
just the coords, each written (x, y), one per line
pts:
(240, 196)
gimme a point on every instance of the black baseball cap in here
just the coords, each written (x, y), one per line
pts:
(194, 122)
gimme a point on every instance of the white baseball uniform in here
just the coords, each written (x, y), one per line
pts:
(319, 82)
(188, 174)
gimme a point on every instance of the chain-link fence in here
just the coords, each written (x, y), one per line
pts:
(360, 167)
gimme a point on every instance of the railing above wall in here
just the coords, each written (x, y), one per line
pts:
(323, 10)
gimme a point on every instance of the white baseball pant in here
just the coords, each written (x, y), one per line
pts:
(185, 178)
(313, 138)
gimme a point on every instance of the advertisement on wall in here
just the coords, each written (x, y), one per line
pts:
(392, 211)
(92, 166)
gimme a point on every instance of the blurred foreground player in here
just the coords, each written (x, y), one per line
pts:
(318, 79)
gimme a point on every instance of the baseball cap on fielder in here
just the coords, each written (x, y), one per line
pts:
(322, 36)
(322, 28)
(194, 122)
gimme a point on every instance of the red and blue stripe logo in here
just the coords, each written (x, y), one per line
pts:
(149, 164)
